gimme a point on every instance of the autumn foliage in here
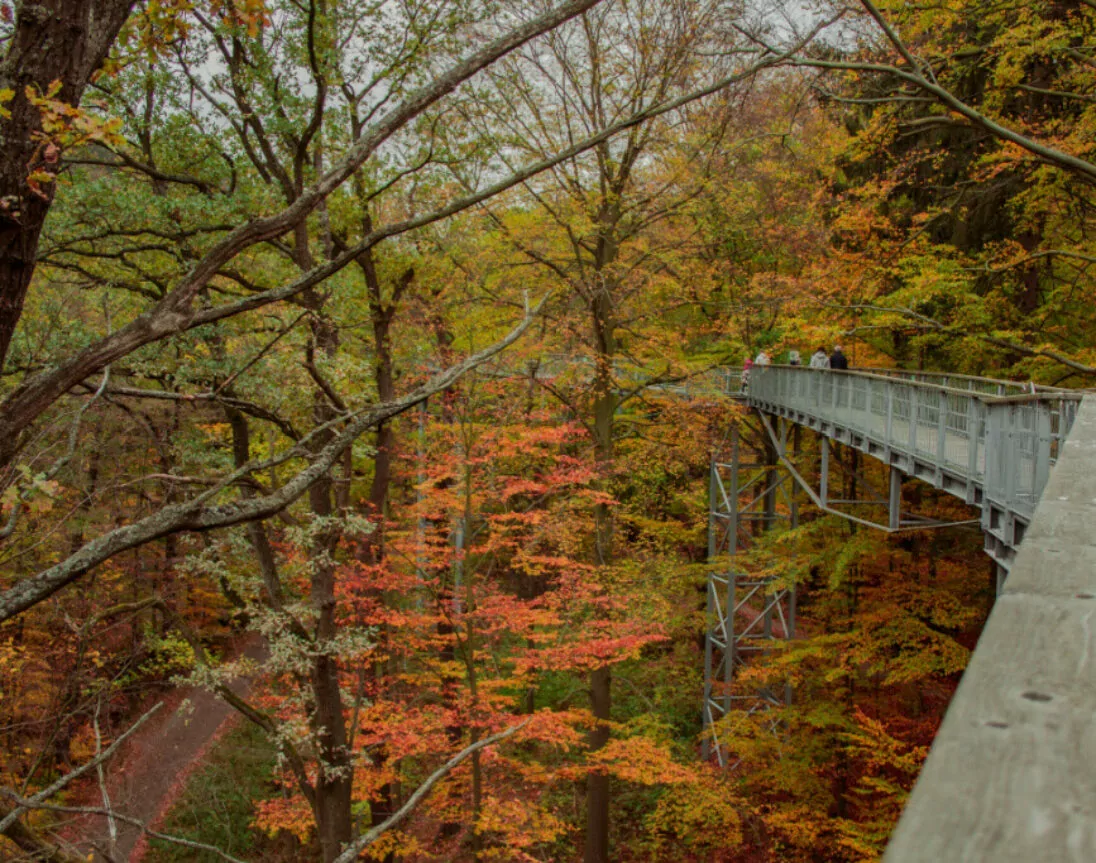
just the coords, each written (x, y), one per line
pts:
(524, 545)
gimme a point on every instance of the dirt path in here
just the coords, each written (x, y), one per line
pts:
(155, 765)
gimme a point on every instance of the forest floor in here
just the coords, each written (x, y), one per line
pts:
(150, 772)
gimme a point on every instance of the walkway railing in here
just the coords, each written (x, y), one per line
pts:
(994, 447)
(1009, 776)
(990, 442)
(986, 386)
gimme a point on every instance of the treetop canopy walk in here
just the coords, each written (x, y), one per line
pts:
(1009, 776)
(990, 443)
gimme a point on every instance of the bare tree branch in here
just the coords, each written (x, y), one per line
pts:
(58, 784)
(125, 819)
(365, 840)
(934, 325)
(174, 315)
(915, 75)
(175, 311)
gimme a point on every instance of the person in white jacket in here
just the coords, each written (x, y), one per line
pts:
(820, 359)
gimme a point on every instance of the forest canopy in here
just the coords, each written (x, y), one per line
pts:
(342, 351)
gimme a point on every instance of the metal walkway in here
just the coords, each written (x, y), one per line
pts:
(1011, 776)
(990, 443)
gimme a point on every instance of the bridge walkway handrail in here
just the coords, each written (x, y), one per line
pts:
(970, 383)
(1006, 778)
(999, 444)
(1009, 777)
(727, 379)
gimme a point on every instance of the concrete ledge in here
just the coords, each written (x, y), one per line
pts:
(1012, 773)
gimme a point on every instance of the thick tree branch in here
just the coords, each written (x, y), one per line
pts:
(69, 777)
(914, 75)
(196, 515)
(125, 819)
(934, 325)
(167, 318)
(175, 312)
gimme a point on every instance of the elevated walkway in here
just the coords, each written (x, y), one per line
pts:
(990, 443)
(1010, 776)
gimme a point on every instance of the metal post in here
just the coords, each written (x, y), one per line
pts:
(941, 428)
(770, 485)
(1010, 463)
(789, 633)
(711, 608)
(994, 482)
(888, 389)
(732, 521)
(1041, 449)
(973, 423)
(793, 504)
(729, 658)
(713, 491)
(824, 470)
(913, 419)
(894, 503)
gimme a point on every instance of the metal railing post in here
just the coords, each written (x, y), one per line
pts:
(973, 422)
(1041, 454)
(914, 410)
(941, 427)
(890, 414)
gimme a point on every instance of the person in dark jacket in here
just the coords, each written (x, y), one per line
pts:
(838, 360)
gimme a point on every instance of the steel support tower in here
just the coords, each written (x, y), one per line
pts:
(745, 614)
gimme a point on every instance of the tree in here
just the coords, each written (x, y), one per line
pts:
(176, 296)
(968, 183)
(598, 217)
(177, 310)
(53, 48)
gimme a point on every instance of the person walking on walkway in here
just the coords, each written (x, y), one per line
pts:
(793, 358)
(762, 358)
(819, 359)
(838, 360)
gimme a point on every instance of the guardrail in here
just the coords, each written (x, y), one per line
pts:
(1006, 779)
(991, 442)
(971, 383)
(995, 448)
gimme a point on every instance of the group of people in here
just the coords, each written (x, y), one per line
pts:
(819, 360)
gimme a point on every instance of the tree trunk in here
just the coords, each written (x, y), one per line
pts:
(605, 404)
(335, 777)
(33, 845)
(334, 781)
(53, 40)
(597, 784)
(256, 530)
